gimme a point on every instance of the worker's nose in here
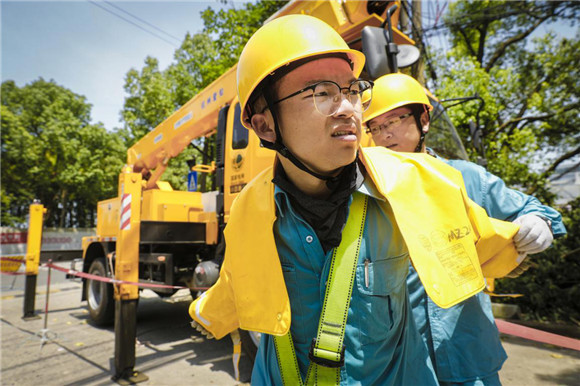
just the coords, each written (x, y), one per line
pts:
(345, 108)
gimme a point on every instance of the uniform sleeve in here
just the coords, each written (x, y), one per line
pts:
(500, 202)
(215, 310)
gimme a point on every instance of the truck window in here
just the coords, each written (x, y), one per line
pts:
(240, 134)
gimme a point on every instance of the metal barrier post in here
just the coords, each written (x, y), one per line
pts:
(44, 333)
(37, 211)
(29, 297)
(47, 294)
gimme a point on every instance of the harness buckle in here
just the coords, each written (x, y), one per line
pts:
(323, 361)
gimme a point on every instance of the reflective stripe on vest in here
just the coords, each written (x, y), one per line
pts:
(327, 350)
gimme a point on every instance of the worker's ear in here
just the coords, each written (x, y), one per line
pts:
(262, 125)
(425, 122)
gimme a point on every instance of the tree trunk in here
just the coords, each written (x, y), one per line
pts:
(418, 69)
(91, 218)
(64, 198)
(403, 21)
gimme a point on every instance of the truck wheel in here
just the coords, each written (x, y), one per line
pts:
(250, 342)
(99, 296)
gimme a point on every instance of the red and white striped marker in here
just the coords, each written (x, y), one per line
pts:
(125, 222)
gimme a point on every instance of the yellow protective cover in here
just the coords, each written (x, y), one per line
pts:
(501, 259)
(441, 230)
(448, 235)
(250, 293)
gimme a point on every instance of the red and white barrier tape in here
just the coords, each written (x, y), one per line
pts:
(11, 259)
(537, 335)
(13, 273)
(85, 275)
(503, 326)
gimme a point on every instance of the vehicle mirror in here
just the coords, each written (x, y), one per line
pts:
(384, 57)
(375, 43)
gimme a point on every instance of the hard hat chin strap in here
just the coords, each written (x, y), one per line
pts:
(331, 182)
(422, 134)
(419, 147)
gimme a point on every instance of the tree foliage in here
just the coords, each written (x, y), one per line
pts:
(153, 94)
(529, 85)
(551, 288)
(51, 152)
(527, 77)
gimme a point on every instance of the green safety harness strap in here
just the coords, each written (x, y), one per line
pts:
(287, 361)
(327, 349)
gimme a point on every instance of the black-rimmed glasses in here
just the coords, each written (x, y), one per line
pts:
(327, 95)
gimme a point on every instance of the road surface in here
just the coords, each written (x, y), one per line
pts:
(168, 350)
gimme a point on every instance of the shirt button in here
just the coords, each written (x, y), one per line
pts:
(309, 239)
(279, 316)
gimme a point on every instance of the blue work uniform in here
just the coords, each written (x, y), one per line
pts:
(383, 346)
(463, 341)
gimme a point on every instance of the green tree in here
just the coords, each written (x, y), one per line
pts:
(529, 85)
(528, 80)
(232, 28)
(149, 101)
(51, 152)
(154, 94)
(552, 286)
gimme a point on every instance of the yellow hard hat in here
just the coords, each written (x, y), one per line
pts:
(281, 42)
(392, 91)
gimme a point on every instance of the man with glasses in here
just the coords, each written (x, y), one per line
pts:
(463, 340)
(317, 247)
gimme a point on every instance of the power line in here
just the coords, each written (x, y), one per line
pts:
(142, 21)
(130, 22)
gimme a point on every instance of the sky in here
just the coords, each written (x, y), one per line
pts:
(83, 46)
(87, 49)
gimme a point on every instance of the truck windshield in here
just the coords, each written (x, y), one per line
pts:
(443, 137)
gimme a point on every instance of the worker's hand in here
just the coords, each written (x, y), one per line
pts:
(534, 235)
(521, 268)
(202, 329)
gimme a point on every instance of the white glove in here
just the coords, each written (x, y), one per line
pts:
(202, 329)
(534, 235)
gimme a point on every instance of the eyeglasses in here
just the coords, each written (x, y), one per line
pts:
(390, 124)
(327, 95)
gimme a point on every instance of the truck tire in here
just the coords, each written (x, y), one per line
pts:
(250, 342)
(99, 296)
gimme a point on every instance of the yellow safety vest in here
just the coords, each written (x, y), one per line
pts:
(450, 241)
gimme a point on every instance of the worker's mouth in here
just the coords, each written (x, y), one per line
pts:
(345, 133)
